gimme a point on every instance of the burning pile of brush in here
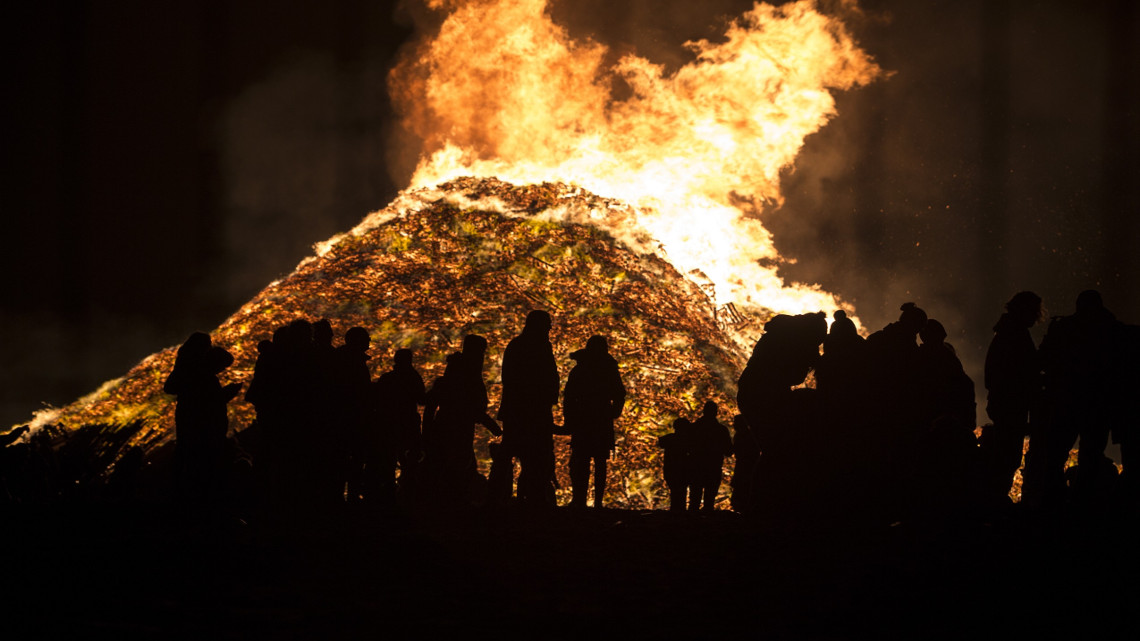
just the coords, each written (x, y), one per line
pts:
(687, 158)
(474, 256)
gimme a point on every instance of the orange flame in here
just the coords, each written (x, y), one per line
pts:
(503, 91)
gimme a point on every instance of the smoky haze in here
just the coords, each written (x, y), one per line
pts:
(997, 157)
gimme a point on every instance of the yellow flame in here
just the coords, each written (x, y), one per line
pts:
(503, 91)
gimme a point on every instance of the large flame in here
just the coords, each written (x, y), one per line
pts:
(502, 91)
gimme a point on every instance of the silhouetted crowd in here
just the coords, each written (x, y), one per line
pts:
(326, 434)
(889, 426)
(830, 422)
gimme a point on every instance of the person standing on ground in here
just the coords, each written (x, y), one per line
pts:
(593, 399)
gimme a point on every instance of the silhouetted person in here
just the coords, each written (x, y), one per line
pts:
(678, 452)
(323, 341)
(781, 359)
(288, 392)
(845, 415)
(784, 421)
(306, 414)
(946, 392)
(746, 449)
(200, 416)
(399, 393)
(841, 372)
(892, 353)
(262, 394)
(711, 443)
(593, 399)
(351, 442)
(456, 403)
(947, 459)
(1078, 355)
(1013, 382)
(530, 391)
(895, 404)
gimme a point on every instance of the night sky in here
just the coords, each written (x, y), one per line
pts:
(165, 163)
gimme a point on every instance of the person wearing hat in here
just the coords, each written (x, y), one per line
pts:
(593, 399)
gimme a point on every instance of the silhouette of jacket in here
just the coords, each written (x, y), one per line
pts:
(593, 398)
(711, 442)
(201, 418)
(400, 392)
(841, 370)
(530, 391)
(947, 393)
(1012, 370)
(530, 388)
(1079, 355)
(781, 359)
(460, 399)
(676, 463)
(456, 402)
(348, 443)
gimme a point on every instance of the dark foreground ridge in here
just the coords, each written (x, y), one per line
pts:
(864, 502)
(514, 573)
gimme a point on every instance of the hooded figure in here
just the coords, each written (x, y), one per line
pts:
(594, 397)
(200, 415)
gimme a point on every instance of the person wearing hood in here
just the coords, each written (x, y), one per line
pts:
(200, 416)
(593, 399)
(1013, 383)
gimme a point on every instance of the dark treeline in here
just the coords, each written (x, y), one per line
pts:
(886, 431)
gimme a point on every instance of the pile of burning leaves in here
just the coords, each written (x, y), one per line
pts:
(474, 256)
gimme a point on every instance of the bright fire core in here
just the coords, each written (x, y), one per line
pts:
(501, 91)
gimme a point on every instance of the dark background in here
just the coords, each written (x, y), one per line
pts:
(162, 164)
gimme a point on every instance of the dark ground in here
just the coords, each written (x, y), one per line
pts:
(147, 571)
